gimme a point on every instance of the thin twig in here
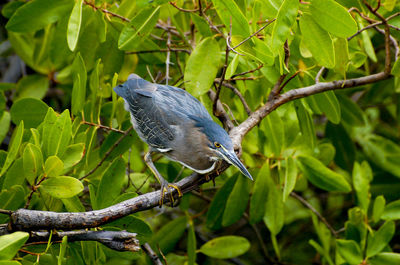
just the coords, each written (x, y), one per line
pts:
(248, 72)
(3, 211)
(309, 206)
(34, 188)
(287, 81)
(161, 50)
(105, 11)
(107, 154)
(238, 93)
(319, 74)
(102, 126)
(277, 87)
(182, 9)
(152, 255)
(255, 33)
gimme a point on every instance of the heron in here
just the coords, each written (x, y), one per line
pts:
(174, 123)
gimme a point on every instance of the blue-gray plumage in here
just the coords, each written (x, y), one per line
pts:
(174, 123)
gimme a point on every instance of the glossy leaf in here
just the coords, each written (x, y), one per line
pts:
(13, 147)
(228, 10)
(53, 167)
(378, 208)
(115, 174)
(329, 104)
(274, 215)
(33, 162)
(230, 71)
(259, 195)
(333, 18)
(385, 258)
(74, 25)
(362, 176)
(62, 187)
(286, 17)
(290, 177)
(349, 250)
(321, 176)
(139, 27)
(217, 206)
(317, 41)
(237, 201)
(225, 247)
(79, 88)
(11, 243)
(30, 110)
(392, 211)
(202, 67)
(73, 155)
(59, 135)
(26, 17)
(379, 240)
(169, 234)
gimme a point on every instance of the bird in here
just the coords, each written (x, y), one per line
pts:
(174, 123)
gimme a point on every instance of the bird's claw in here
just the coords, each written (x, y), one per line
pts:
(164, 189)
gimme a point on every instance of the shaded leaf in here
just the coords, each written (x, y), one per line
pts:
(379, 240)
(349, 250)
(321, 176)
(13, 147)
(385, 258)
(379, 207)
(260, 191)
(33, 162)
(290, 177)
(228, 11)
(225, 247)
(30, 110)
(169, 234)
(391, 211)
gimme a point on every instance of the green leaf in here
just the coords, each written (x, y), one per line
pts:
(396, 68)
(225, 247)
(53, 167)
(62, 187)
(74, 25)
(191, 245)
(341, 55)
(284, 21)
(63, 249)
(380, 239)
(385, 258)
(306, 123)
(169, 234)
(349, 250)
(11, 243)
(317, 41)
(5, 120)
(328, 104)
(368, 46)
(133, 224)
(321, 176)
(275, 132)
(260, 191)
(26, 18)
(13, 147)
(382, 152)
(79, 88)
(9, 9)
(379, 207)
(59, 135)
(217, 206)
(362, 176)
(229, 11)
(34, 86)
(290, 177)
(352, 114)
(12, 198)
(392, 211)
(230, 71)
(202, 67)
(30, 110)
(33, 162)
(321, 251)
(201, 25)
(73, 155)
(333, 18)
(114, 174)
(345, 147)
(138, 29)
(274, 215)
(237, 201)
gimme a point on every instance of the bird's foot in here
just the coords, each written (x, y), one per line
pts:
(165, 189)
(208, 178)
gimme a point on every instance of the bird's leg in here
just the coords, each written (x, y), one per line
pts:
(164, 184)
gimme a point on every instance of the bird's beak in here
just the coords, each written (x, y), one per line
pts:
(231, 158)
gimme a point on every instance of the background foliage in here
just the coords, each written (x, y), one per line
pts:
(326, 166)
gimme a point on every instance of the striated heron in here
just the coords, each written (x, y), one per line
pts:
(174, 123)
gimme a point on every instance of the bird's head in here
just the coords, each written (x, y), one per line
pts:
(220, 144)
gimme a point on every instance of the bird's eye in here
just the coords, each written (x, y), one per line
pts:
(217, 145)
